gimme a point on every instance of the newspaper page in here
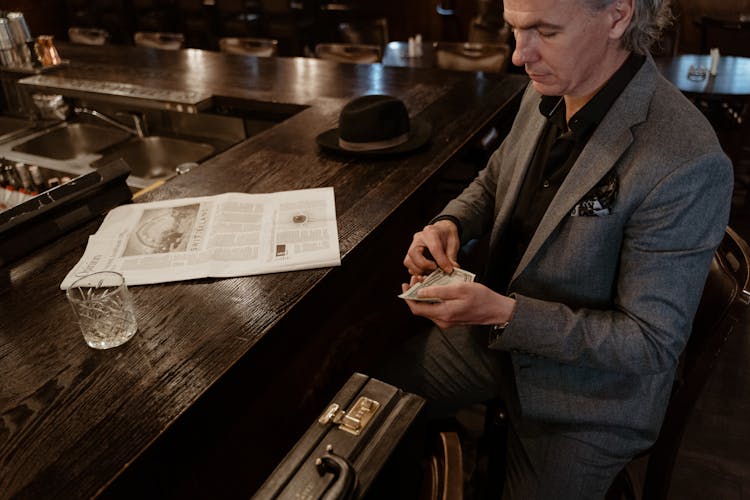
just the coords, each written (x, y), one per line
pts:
(231, 234)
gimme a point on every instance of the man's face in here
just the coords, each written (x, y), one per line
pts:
(562, 45)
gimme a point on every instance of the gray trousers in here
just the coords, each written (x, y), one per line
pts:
(455, 369)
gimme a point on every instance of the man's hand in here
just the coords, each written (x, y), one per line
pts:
(441, 241)
(462, 304)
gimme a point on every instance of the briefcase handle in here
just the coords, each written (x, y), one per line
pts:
(345, 483)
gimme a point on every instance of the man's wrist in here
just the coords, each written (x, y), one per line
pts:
(497, 329)
(450, 218)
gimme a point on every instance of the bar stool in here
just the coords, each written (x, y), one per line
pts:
(249, 46)
(81, 13)
(493, 33)
(488, 25)
(291, 23)
(238, 18)
(154, 16)
(158, 40)
(365, 31)
(449, 25)
(466, 56)
(328, 17)
(349, 52)
(88, 36)
(196, 20)
(443, 476)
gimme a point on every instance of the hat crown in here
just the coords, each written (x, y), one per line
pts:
(374, 125)
(373, 118)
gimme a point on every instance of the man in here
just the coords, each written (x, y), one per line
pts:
(603, 206)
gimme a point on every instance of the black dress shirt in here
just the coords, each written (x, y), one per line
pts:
(558, 148)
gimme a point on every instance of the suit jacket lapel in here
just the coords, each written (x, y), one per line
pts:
(532, 123)
(608, 143)
(533, 128)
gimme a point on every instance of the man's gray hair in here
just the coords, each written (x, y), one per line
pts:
(650, 17)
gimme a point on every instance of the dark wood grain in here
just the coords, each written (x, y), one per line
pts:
(224, 374)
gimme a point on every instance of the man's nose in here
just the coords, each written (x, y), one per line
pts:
(524, 52)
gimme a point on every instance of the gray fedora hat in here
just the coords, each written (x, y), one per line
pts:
(375, 125)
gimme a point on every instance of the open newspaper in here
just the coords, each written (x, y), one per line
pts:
(231, 234)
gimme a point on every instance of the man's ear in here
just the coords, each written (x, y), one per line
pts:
(621, 13)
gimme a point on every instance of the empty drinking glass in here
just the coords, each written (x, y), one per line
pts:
(104, 308)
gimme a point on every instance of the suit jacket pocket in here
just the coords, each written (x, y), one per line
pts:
(599, 200)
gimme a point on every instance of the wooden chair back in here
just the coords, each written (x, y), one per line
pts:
(722, 308)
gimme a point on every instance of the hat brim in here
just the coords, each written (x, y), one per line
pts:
(419, 134)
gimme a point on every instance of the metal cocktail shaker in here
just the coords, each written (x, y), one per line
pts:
(8, 56)
(24, 42)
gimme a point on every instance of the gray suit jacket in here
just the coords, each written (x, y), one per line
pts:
(605, 303)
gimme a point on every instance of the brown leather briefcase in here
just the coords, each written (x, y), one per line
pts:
(343, 453)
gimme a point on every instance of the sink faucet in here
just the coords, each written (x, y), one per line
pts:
(139, 123)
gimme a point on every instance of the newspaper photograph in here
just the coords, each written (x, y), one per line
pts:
(231, 234)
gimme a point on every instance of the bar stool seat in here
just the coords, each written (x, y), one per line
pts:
(249, 46)
(467, 56)
(349, 52)
(159, 40)
(88, 36)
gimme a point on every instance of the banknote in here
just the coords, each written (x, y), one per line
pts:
(437, 278)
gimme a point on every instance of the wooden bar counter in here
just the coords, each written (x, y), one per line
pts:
(224, 375)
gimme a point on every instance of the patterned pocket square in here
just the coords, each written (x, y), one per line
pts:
(599, 200)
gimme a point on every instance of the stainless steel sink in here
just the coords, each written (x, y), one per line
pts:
(156, 156)
(71, 140)
(10, 127)
(151, 157)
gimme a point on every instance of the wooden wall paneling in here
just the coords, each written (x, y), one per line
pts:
(691, 12)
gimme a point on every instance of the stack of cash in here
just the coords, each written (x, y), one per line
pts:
(437, 278)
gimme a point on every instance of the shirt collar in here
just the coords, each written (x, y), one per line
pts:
(593, 112)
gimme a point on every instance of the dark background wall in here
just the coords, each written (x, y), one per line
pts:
(42, 16)
(405, 17)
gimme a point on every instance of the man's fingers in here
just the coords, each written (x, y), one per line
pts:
(437, 258)
(435, 246)
(442, 292)
(416, 263)
(452, 251)
(429, 292)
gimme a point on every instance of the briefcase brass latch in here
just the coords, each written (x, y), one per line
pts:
(353, 421)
